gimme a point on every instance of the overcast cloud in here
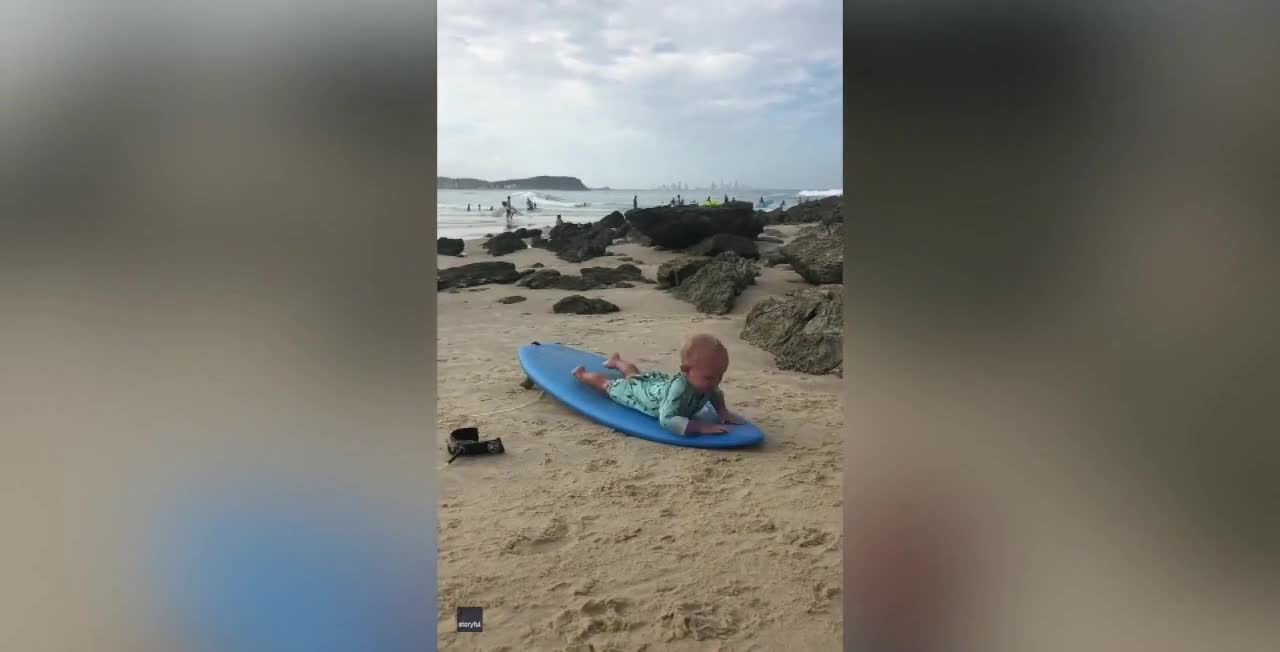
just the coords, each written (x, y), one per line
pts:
(636, 93)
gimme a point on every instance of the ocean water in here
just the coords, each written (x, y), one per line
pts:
(453, 220)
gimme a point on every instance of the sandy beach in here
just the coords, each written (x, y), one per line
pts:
(581, 538)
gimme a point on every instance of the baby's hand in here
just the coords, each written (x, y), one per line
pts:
(697, 428)
(729, 417)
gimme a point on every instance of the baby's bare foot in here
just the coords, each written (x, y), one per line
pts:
(612, 362)
(579, 371)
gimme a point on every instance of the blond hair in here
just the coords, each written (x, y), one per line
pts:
(698, 347)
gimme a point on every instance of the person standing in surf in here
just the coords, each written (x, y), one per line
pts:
(673, 398)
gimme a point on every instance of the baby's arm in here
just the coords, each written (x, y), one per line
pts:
(717, 401)
(672, 420)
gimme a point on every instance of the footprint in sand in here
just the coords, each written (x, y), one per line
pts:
(699, 621)
(596, 617)
(808, 537)
(551, 537)
(820, 600)
(596, 465)
(626, 535)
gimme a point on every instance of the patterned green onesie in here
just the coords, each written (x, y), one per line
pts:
(669, 397)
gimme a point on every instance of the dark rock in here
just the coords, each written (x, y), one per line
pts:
(579, 242)
(523, 232)
(674, 272)
(772, 257)
(540, 279)
(715, 287)
(613, 220)
(537, 265)
(680, 227)
(503, 244)
(450, 246)
(602, 276)
(770, 239)
(721, 242)
(826, 211)
(553, 279)
(526, 272)
(592, 278)
(623, 284)
(802, 329)
(512, 299)
(473, 274)
(574, 283)
(817, 256)
(538, 241)
(580, 305)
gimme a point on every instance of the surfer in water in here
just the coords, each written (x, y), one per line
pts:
(673, 398)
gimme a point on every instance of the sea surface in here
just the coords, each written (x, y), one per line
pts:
(453, 220)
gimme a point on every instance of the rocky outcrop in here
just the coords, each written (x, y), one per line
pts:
(473, 274)
(722, 242)
(450, 246)
(580, 305)
(674, 272)
(715, 287)
(579, 242)
(504, 243)
(592, 278)
(603, 276)
(550, 278)
(826, 211)
(614, 220)
(515, 298)
(772, 257)
(817, 255)
(802, 329)
(681, 227)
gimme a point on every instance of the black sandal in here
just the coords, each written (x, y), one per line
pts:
(466, 441)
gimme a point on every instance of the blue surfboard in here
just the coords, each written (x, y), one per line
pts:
(551, 367)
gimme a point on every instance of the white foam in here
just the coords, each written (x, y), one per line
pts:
(835, 192)
(542, 200)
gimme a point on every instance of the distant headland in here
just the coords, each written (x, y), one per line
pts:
(531, 183)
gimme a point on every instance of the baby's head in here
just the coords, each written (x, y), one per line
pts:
(703, 360)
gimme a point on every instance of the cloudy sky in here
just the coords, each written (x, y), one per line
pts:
(636, 93)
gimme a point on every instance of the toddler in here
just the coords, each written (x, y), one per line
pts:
(672, 398)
